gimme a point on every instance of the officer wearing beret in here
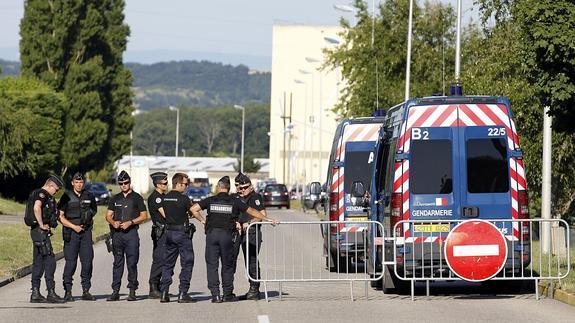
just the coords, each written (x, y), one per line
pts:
(77, 208)
(251, 239)
(220, 231)
(126, 210)
(175, 208)
(160, 181)
(41, 216)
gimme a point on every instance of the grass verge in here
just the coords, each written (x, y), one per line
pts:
(11, 207)
(548, 265)
(16, 245)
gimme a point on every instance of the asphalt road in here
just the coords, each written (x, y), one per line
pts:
(301, 302)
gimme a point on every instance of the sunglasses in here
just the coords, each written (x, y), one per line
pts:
(124, 183)
(241, 188)
(166, 183)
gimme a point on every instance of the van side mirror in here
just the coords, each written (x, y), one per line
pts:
(357, 189)
(315, 188)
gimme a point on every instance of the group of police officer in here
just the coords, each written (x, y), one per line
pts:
(226, 224)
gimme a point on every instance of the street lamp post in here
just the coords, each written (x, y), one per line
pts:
(312, 61)
(172, 108)
(243, 127)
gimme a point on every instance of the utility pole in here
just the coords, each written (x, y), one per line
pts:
(546, 183)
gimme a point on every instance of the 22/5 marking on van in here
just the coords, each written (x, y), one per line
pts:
(496, 132)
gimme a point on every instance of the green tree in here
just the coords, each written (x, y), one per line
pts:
(250, 165)
(372, 55)
(76, 47)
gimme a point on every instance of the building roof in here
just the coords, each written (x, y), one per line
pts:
(188, 164)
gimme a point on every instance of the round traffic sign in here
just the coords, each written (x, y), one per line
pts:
(475, 250)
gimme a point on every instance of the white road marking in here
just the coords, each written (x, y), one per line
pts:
(263, 319)
(476, 250)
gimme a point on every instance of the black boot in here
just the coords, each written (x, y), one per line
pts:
(115, 296)
(254, 293)
(216, 299)
(185, 298)
(165, 297)
(36, 297)
(86, 296)
(230, 297)
(132, 295)
(154, 292)
(68, 296)
(52, 297)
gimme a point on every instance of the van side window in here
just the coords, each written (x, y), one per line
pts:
(487, 168)
(430, 170)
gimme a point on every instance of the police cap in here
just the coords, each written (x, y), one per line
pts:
(242, 179)
(78, 176)
(123, 176)
(56, 180)
(158, 177)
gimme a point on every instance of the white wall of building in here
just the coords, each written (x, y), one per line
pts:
(299, 84)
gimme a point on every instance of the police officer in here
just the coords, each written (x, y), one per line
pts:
(251, 239)
(179, 235)
(77, 209)
(126, 210)
(160, 181)
(220, 231)
(41, 216)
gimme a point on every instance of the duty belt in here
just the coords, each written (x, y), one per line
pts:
(176, 227)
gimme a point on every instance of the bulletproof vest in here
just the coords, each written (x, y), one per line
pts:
(73, 207)
(127, 212)
(48, 211)
(220, 213)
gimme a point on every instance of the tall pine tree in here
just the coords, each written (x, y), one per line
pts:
(76, 47)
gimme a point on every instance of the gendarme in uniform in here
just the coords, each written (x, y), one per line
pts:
(160, 181)
(77, 209)
(125, 210)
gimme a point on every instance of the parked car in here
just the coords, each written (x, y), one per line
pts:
(276, 195)
(100, 191)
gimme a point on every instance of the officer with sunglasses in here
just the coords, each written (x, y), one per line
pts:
(126, 210)
(251, 239)
(160, 181)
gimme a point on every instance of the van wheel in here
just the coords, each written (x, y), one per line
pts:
(392, 284)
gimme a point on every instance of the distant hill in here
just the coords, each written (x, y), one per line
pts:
(194, 83)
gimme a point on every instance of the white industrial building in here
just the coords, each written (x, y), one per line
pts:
(140, 168)
(300, 90)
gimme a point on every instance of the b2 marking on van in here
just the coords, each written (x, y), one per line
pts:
(432, 213)
(417, 134)
(496, 132)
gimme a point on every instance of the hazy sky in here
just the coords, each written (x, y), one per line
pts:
(173, 29)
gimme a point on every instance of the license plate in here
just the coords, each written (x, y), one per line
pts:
(431, 228)
(357, 219)
(275, 194)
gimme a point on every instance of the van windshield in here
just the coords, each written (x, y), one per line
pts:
(487, 169)
(357, 168)
(431, 167)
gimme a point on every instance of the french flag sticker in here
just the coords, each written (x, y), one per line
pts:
(441, 201)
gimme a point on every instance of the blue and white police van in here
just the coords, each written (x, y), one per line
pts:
(445, 158)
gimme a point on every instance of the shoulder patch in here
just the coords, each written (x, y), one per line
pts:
(258, 202)
(158, 200)
(41, 195)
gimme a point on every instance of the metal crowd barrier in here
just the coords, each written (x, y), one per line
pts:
(419, 255)
(292, 252)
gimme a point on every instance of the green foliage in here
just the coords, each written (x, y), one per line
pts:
(76, 47)
(250, 165)
(198, 84)
(31, 131)
(203, 131)
(374, 68)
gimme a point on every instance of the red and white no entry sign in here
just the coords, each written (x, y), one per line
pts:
(475, 250)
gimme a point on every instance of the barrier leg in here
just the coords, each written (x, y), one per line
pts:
(427, 288)
(366, 295)
(536, 289)
(412, 290)
(351, 289)
(281, 290)
(266, 291)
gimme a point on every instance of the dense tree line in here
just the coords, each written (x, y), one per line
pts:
(527, 55)
(203, 132)
(74, 49)
(198, 84)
